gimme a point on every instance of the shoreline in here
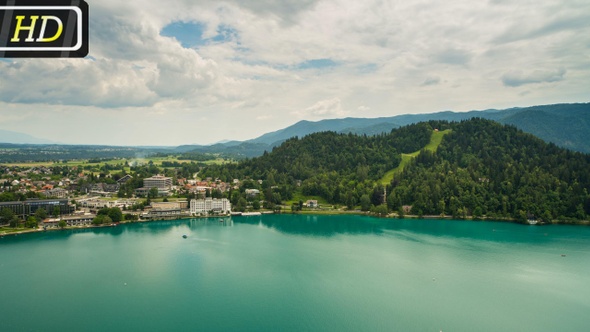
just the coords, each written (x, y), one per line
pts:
(311, 213)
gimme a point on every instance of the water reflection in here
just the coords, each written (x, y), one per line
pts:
(412, 229)
(330, 226)
(325, 226)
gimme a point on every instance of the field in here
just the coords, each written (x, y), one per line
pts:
(83, 163)
(435, 141)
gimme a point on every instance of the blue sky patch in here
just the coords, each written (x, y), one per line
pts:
(224, 34)
(189, 34)
(367, 68)
(317, 64)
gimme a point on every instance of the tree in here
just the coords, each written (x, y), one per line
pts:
(102, 219)
(6, 214)
(40, 214)
(400, 213)
(129, 216)
(56, 211)
(114, 214)
(365, 203)
(62, 224)
(241, 206)
(153, 193)
(31, 222)
(14, 221)
(477, 213)
(256, 204)
(380, 210)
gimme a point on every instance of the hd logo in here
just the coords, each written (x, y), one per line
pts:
(37, 28)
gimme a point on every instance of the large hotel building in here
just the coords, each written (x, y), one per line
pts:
(208, 204)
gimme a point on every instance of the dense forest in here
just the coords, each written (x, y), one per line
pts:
(481, 169)
(342, 168)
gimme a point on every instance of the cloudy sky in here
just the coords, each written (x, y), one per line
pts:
(198, 71)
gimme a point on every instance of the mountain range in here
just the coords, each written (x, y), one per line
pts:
(8, 136)
(566, 125)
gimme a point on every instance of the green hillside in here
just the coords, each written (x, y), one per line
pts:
(476, 168)
(432, 146)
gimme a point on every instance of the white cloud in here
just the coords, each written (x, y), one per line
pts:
(390, 57)
(518, 78)
(431, 80)
(324, 109)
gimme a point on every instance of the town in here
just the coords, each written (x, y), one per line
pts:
(51, 197)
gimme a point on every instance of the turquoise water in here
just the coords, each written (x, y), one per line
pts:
(298, 273)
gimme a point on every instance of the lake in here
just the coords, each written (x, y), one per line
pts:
(298, 273)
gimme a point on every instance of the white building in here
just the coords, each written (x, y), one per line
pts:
(158, 181)
(252, 192)
(210, 204)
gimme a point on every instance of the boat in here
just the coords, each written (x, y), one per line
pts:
(184, 236)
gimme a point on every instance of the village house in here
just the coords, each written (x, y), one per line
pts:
(252, 192)
(312, 203)
(124, 179)
(56, 192)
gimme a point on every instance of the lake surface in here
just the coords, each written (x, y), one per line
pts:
(298, 273)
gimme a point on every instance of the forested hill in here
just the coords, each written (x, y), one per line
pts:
(484, 168)
(343, 156)
(481, 168)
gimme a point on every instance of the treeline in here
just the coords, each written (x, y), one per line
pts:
(12, 153)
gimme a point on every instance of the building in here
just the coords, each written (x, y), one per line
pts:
(144, 192)
(104, 189)
(163, 213)
(125, 179)
(312, 203)
(252, 192)
(170, 205)
(27, 208)
(57, 192)
(204, 206)
(77, 220)
(162, 183)
(158, 181)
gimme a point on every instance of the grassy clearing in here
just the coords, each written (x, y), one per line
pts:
(297, 196)
(435, 141)
(9, 230)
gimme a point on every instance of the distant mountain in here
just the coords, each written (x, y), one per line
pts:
(232, 149)
(7, 136)
(566, 125)
(304, 128)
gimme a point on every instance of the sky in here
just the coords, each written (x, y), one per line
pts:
(198, 72)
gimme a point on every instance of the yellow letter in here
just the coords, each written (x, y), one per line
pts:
(19, 27)
(60, 28)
